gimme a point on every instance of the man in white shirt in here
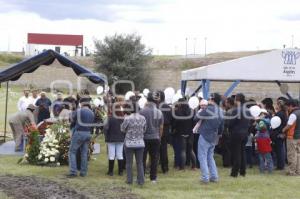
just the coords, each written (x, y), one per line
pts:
(24, 101)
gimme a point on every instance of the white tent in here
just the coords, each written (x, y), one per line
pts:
(277, 65)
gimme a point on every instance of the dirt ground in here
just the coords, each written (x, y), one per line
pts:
(29, 187)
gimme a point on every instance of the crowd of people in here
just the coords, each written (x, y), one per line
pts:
(219, 125)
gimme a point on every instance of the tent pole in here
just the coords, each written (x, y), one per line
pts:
(198, 89)
(231, 88)
(5, 117)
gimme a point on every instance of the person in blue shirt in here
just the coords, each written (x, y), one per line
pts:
(212, 124)
(43, 104)
(82, 120)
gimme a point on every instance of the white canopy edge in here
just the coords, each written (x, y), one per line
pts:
(277, 65)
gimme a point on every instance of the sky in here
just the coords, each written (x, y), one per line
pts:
(168, 27)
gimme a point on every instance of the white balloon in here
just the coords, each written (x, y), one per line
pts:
(189, 91)
(169, 93)
(100, 90)
(255, 111)
(275, 122)
(146, 91)
(128, 95)
(97, 102)
(106, 88)
(176, 97)
(200, 94)
(142, 102)
(193, 102)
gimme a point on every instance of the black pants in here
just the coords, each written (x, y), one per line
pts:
(226, 151)
(164, 154)
(185, 146)
(238, 142)
(152, 147)
(280, 153)
(195, 149)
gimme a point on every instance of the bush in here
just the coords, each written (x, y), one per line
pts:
(123, 57)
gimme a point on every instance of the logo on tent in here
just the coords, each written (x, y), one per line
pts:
(290, 57)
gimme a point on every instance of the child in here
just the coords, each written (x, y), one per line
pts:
(264, 144)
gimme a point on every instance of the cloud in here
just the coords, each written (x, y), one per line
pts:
(104, 10)
(291, 17)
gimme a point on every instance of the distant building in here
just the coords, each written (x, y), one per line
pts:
(71, 45)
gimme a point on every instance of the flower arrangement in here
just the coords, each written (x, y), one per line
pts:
(49, 148)
(32, 148)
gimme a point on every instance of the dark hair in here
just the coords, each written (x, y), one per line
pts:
(230, 101)
(153, 97)
(282, 105)
(85, 101)
(282, 99)
(162, 96)
(183, 108)
(292, 102)
(240, 97)
(267, 102)
(216, 97)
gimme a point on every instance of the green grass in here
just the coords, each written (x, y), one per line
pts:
(8, 59)
(176, 184)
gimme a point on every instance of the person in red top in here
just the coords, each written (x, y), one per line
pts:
(264, 148)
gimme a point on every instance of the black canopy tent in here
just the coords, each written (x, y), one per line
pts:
(29, 65)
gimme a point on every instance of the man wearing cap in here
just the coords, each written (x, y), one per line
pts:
(18, 122)
(58, 105)
(43, 104)
(212, 124)
(292, 130)
(82, 120)
(154, 131)
(24, 101)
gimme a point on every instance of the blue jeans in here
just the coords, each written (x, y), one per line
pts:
(265, 162)
(80, 139)
(207, 162)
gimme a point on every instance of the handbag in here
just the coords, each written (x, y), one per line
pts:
(134, 143)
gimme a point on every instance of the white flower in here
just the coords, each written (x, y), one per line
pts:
(46, 160)
(40, 156)
(58, 164)
(26, 155)
(52, 159)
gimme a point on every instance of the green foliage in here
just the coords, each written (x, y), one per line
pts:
(33, 148)
(123, 57)
(10, 58)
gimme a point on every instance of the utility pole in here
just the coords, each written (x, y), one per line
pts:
(186, 39)
(205, 46)
(195, 39)
(292, 41)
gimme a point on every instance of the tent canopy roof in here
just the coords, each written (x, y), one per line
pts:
(29, 65)
(277, 65)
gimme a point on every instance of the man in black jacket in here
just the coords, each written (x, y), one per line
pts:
(238, 125)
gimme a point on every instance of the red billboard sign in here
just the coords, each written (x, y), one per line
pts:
(55, 39)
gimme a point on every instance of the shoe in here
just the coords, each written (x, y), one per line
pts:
(110, 167)
(214, 180)
(71, 176)
(120, 167)
(153, 181)
(203, 182)
(82, 175)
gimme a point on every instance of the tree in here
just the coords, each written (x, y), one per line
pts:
(123, 57)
